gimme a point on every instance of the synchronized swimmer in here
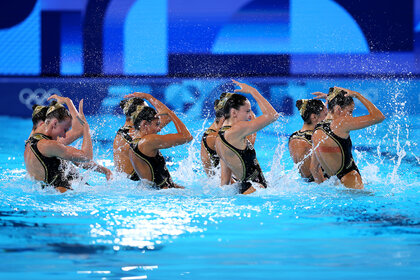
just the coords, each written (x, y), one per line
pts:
(144, 153)
(209, 157)
(320, 149)
(237, 154)
(48, 158)
(126, 133)
(331, 139)
(312, 112)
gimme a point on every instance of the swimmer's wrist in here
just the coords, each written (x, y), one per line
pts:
(63, 100)
(82, 122)
(356, 94)
(148, 96)
(253, 90)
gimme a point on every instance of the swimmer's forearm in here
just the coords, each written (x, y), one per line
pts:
(71, 107)
(160, 107)
(94, 166)
(87, 142)
(178, 186)
(156, 103)
(76, 130)
(372, 109)
(75, 124)
(181, 128)
(265, 106)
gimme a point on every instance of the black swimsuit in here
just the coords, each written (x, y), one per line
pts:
(55, 172)
(302, 135)
(157, 164)
(345, 145)
(214, 157)
(307, 136)
(251, 169)
(124, 132)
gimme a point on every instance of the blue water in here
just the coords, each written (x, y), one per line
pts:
(291, 230)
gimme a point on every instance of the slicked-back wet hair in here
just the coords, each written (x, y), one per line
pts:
(219, 112)
(58, 112)
(146, 114)
(340, 99)
(312, 106)
(38, 115)
(129, 105)
(235, 101)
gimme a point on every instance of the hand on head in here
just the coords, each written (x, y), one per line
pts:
(60, 99)
(243, 87)
(162, 113)
(137, 94)
(349, 92)
(81, 116)
(319, 95)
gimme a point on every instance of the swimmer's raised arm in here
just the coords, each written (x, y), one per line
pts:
(252, 137)
(160, 107)
(264, 105)
(51, 148)
(76, 130)
(269, 113)
(319, 95)
(87, 140)
(375, 115)
(156, 141)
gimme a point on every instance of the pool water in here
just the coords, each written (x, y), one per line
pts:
(291, 230)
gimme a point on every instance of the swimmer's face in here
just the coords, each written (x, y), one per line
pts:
(153, 127)
(60, 128)
(244, 113)
(348, 110)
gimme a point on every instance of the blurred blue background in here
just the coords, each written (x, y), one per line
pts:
(186, 51)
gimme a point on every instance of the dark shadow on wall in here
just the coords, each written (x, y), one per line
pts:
(14, 12)
(387, 25)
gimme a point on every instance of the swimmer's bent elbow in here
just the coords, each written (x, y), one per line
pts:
(186, 137)
(378, 119)
(189, 138)
(273, 117)
(381, 118)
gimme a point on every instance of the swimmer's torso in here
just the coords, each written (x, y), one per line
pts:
(302, 135)
(121, 147)
(51, 170)
(300, 145)
(150, 168)
(242, 162)
(208, 153)
(333, 152)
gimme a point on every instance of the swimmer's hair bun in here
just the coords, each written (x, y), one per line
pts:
(299, 103)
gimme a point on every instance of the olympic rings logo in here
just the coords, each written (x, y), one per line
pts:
(28, 97)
